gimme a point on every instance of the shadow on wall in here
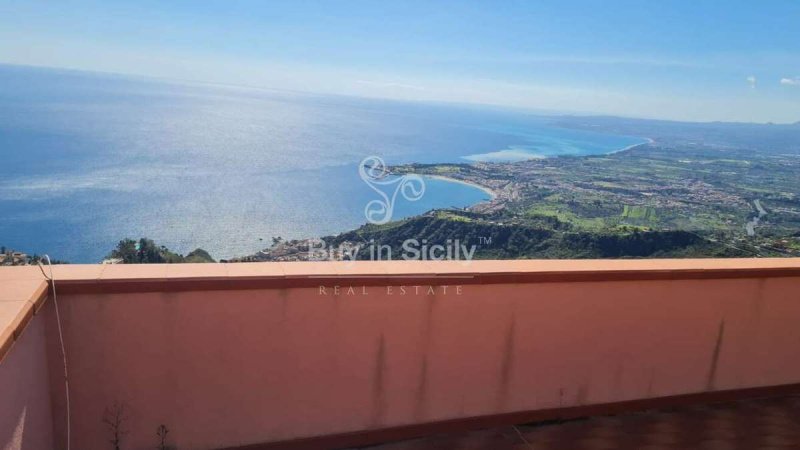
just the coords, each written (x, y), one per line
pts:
(26, 421)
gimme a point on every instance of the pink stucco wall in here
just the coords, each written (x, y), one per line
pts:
(233, 367)
(25, 412)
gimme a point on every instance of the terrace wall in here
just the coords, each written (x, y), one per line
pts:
(226, 361)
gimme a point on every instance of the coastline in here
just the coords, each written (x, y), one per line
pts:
(492, 194)
(631, 147)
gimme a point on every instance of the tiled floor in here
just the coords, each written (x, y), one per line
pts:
(754, 424)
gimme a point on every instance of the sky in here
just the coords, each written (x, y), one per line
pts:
(694, 60)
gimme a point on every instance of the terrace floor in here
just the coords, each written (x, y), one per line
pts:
(744, 425)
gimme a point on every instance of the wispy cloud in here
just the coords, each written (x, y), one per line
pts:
(391, 85)
(791, 81)
(588, 60)
(752, 81)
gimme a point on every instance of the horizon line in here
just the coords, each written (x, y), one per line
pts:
(520, 109)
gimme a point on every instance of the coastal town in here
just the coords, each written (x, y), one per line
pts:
(730, 194)
(10, 257)
(727, 199)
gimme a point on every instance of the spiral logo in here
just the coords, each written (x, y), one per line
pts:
(374, 172)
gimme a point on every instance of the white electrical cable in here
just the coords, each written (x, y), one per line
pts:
(60, 337)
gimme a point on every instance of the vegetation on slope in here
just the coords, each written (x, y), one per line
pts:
(146, 251)
(548, 238)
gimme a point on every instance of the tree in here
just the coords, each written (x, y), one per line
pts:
(161, 432)
(146, 251)
(150, 253)
(114, 417)
(126, 251)
(198, 255)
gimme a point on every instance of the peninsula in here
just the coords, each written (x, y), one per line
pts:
(715, 190)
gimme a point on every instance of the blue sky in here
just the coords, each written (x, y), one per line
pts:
(686, 60)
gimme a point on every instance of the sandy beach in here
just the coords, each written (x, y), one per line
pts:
(486, 189)
(649, 141)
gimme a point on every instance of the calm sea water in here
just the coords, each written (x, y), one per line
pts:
(89, 159)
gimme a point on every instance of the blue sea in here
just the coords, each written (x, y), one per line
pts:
(87, 159)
